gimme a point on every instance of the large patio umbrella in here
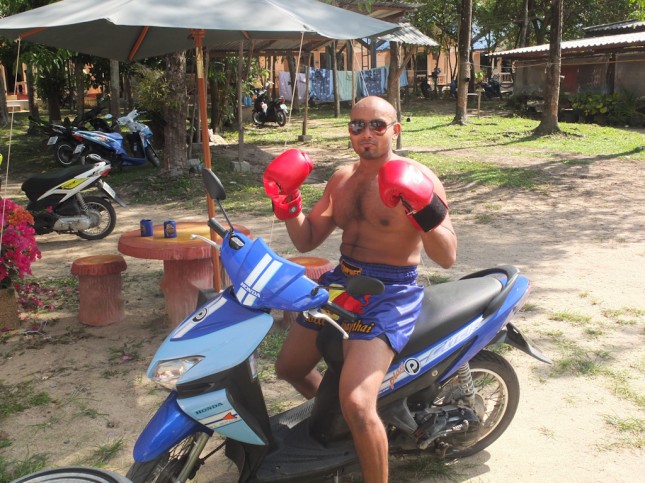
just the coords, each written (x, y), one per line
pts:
(137, 29)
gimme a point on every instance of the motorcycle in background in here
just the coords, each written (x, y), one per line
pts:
(268, 110)
(445, 394)
(57, 204)
(492, 88)
(112, 146)
(61, 136)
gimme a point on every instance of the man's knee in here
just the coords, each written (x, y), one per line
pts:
(357, 410)
(284, 371)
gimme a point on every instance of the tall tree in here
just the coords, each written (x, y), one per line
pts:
(465, 29)
(175, 113)
(549, 122)
(115, 89)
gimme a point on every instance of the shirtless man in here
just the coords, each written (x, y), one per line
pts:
(389, 210)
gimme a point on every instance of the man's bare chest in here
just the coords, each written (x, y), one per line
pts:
(357, 201)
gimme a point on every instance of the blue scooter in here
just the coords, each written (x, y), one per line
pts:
(445, 394)
(112, 145)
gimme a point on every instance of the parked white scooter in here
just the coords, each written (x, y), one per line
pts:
(57, 204)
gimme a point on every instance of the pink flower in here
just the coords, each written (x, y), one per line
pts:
(18, 248)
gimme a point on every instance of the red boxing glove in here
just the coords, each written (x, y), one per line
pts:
(285, 207)
(399, 180)
(282, 178)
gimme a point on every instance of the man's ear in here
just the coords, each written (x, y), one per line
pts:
(396, 128)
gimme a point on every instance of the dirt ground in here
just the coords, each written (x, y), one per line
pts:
(580, 239)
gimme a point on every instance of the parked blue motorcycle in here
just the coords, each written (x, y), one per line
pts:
(445, 394)
(112, 145)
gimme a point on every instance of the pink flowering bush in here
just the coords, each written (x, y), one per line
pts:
(18, 247)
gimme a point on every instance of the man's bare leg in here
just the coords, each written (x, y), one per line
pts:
(297, 361)
(366, 363)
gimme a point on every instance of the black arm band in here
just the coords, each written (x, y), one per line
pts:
(432, 215)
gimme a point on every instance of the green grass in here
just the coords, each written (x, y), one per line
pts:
(436, 279)
(529, 307)
(103, 454)
(19, 397)
(624, 315)
(622, 387)
(128, 351)
(487, 173)
(11, 470)
(578, 361)
(413, 469)
(632, 430)
(570, 317)
(271, 345)
(452, 151)
(515, 134)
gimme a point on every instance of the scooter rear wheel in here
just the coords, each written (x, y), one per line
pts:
(151, 155)
(166, 467)
(64, 153)
(107, 218)
(280, 118)
(497, 389)
(257, 118)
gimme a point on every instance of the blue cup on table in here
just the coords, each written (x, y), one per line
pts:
(170, 229)
(146, 227)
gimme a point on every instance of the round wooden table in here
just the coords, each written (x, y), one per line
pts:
(187, 263)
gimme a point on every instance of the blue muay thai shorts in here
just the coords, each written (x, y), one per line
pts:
(390, 315)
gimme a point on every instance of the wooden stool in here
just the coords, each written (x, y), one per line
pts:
(99, 289)
(314, 268)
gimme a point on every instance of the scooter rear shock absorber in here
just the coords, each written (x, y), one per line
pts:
(466, 381)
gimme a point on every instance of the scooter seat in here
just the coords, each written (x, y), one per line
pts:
(37, 184)
(448, 306)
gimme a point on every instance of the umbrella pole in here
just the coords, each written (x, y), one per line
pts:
(198, 36)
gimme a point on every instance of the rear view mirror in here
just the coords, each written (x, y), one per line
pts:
(213, 185)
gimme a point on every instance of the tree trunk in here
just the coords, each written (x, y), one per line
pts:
(334, 69)
(392, 81)
(174, 113)
(525, 24)
(463, 75)
(80, 87)
(53, 107)
(293, 75)
(115, 90)
(240, 120)
(549, 123)
(127, 93)
(215, 110)
(31, 90)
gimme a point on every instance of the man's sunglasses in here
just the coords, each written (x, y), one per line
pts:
(378, 126)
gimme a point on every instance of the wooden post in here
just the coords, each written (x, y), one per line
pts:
(304, 137)
(198, 36)
(240, 121)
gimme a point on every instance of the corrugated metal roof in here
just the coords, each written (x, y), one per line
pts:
(605, 42)
(616, 26)
(407, 34)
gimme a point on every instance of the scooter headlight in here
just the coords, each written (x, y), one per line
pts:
(166, 373)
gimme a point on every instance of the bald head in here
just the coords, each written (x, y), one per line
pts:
(375, 106)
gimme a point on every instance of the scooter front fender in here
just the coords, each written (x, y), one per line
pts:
(167, 428)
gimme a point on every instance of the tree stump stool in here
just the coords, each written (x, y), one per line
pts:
(314, 268)
(99, 289)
